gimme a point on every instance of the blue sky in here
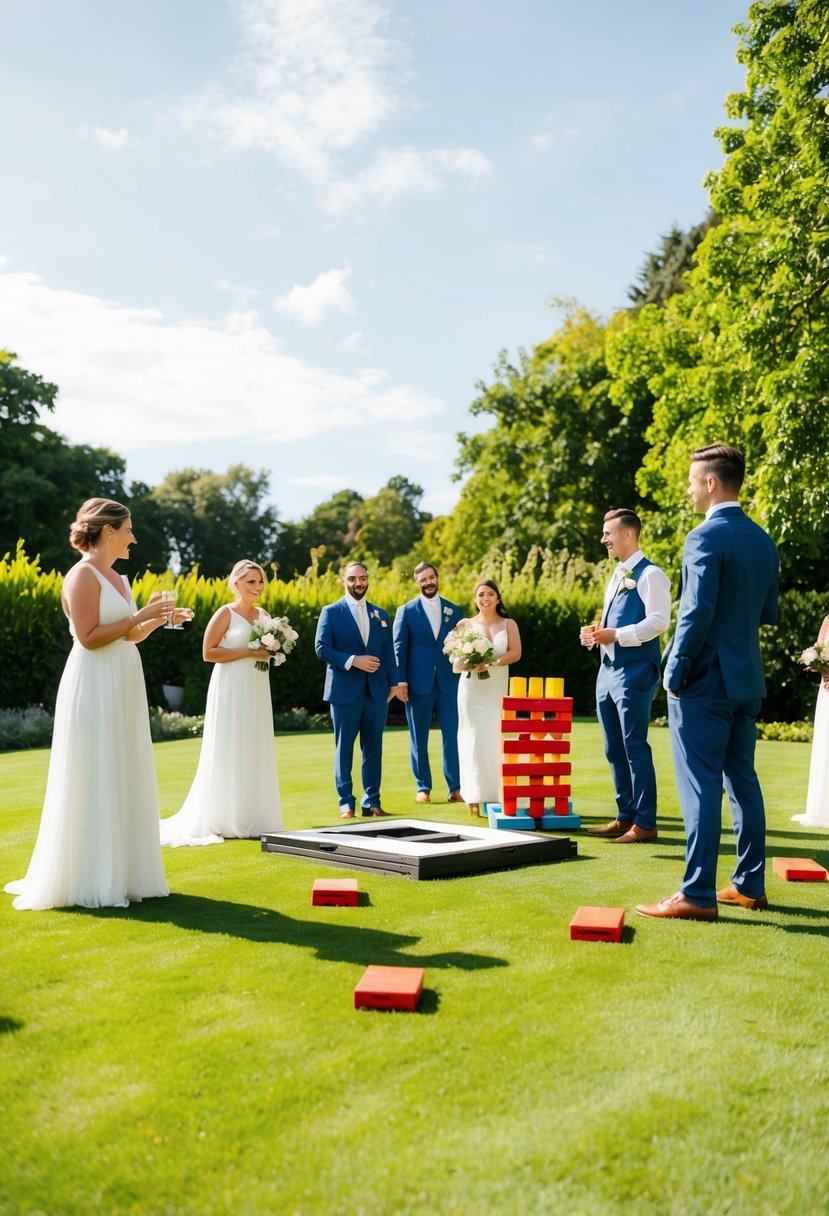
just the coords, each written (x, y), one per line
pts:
(297, 233)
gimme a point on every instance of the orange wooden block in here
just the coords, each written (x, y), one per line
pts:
(597, 925)
(799, 869)
(330, 891)
(389, 988)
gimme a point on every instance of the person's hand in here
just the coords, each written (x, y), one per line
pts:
(181, 616)
(155, 609)
(604, 637)
(366, 662)
(587, 636)
(402, 692)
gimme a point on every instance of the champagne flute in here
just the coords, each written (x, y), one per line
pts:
(168, 598)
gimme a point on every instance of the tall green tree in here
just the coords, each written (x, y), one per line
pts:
(558, 454)
(742, 355)
(320, 540)
(211, 520)
(44, 479)
(391, 522)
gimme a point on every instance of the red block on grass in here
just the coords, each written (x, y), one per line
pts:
(597, 925)
(799, 869)
(341, 891)
(389, 988)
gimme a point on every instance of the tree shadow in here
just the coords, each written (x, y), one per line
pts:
(333, 942)
(10, 1025)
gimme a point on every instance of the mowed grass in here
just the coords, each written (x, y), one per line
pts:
(201, 1054)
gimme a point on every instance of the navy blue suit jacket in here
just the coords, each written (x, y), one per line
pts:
(420, 657)
(730, 572)
(338, 638)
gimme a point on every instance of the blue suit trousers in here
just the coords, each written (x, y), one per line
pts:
(624, 695)
(713, 740)
(367, 718)
(419, 710)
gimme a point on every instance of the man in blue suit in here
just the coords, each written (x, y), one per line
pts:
(427, 682)
(637, 608)
(354, 639)
(715, 684)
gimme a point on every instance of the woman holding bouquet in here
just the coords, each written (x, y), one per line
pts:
(235, 791)
(480, 691)
(817, 796)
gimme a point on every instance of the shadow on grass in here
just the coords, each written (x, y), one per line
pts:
(337, 943)
(9, 1025)
(429, 1003)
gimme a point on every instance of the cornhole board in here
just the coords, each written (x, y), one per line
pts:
(597, 925)
(335, 891)
(417, 848)
(799, 869)
(389, 988)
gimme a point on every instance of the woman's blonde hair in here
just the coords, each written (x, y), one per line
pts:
(91, 519)
(242, 568)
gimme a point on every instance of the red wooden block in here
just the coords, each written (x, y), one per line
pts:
(535, 747)
(562, 705)
(799, 869)
(597, 925)
(544, 726)
(329, 891)
(389, 988)
(528, 769)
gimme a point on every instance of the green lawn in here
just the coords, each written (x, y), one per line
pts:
(201, 1054)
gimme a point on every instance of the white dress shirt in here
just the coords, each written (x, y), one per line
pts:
(654, 589)
(360, 613)
(432, 609)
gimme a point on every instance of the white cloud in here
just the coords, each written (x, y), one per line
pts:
(354, 341)
(543, 142)
(106, 138)
(422, 444)
(315, 81)
(327, 291)
(130, 379)
(402, 171)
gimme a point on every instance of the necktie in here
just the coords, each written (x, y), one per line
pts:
(363, 620)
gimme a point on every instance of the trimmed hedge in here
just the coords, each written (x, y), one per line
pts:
(35, 638)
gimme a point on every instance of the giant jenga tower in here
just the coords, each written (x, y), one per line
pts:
(534, 720)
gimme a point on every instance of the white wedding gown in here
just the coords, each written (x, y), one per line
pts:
(817, 797)
(235, 791)
(98, 841)
(479, 729)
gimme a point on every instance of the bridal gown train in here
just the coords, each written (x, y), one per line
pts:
(235, 791)
(817, 797)
(479, 729)
(97, 846)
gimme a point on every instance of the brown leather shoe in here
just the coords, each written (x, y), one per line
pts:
(423, 796)
(677, 907)
(454, 796)
(617, 828)
(377, 812)
(637, 835)
(730, 895)
(346, 813)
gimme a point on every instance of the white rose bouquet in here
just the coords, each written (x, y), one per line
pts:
(471, 647)
(275, 635)
(816, 658)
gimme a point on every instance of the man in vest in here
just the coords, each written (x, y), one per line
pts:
(637, 608)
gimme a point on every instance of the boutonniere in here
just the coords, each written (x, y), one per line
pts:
(628, 581)
(376, 614)
(447, 611)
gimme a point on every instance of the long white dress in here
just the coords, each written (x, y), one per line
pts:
(98, 841)
(235, 791)
(479, 729)
(817, 797)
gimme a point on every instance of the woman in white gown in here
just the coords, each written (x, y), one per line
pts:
(98, 841)
(479, 701)
(817, 796)
(235, 791)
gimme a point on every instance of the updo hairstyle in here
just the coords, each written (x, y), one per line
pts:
(241, 569)
(91, 519)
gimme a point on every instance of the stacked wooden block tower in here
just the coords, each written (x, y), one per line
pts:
(532, 768)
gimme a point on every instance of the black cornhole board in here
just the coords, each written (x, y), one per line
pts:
(416, 848)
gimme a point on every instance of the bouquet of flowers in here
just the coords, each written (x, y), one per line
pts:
(470, 646)
(274, 634)
(816, 658)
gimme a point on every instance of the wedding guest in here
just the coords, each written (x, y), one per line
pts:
(715, 684)
(637, 608)
(98, 843)
(235, 792)
(428, 685)
(817, 795)
(479, 700)
(354, 640)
